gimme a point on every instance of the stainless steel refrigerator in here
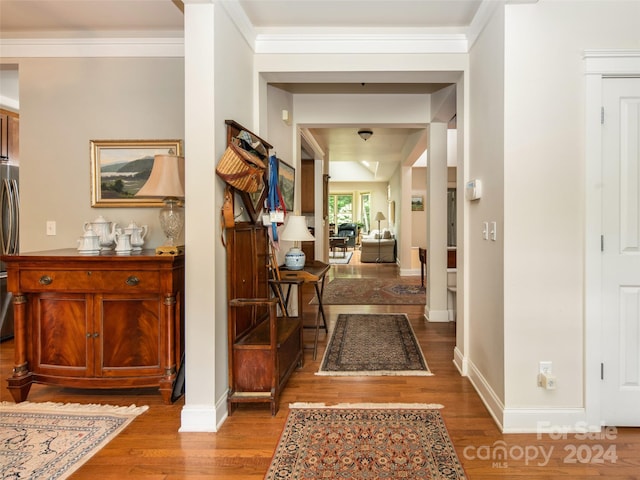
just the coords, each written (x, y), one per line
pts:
(9, 221)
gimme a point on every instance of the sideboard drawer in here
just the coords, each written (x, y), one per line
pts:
(89, 280)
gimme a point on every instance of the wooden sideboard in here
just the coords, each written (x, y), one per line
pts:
(96, 321)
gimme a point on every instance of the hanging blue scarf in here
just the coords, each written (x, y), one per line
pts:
(273, 200)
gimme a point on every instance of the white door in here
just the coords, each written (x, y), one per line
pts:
(621, 252)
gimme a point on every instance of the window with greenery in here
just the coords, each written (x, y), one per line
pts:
(341, 208)
(365, 209)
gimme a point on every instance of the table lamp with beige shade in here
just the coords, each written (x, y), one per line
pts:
(166, 181)
(296, 230)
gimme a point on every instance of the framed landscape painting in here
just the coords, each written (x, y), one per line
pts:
(417, 203)
(119, 168)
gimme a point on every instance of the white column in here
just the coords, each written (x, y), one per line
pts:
(404, 248)
(436, 307)
(199, 412)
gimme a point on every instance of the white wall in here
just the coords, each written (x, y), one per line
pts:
(485, 266)
(544, 188)
(281, 134)
(65, 103)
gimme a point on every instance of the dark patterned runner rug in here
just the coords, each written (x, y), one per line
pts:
(374, 291)
(373, 344)
(397, 441)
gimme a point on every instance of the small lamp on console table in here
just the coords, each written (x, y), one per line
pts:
(166, 181)
(296, 231)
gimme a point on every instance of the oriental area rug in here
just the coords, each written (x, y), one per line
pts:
(52, 440)
(373, 291)
(387, 441)
(373, 344)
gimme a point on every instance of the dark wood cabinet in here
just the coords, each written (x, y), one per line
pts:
(451, 258)
(104, 321)
(307, 184)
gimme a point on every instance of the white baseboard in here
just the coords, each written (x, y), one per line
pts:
(526, 420)
(436, 315)
(486, 393)
(554, 421)
(409, 272)
(203, 418)
(460, 361)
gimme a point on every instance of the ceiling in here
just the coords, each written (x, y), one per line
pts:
(158, 18)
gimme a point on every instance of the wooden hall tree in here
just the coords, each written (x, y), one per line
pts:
(264, 349)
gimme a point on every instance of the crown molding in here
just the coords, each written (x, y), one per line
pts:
(240, 20)
(612, 62)
(92, 47)
(482, 17)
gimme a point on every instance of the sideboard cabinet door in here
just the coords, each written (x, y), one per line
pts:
(130, 339)
(61, 340)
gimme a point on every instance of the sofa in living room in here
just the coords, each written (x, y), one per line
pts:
(378, 247)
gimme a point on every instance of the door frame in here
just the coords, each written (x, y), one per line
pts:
(599, 65)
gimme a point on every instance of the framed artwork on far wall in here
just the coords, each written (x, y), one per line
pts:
(119, 168)
(417, 203)
(286, 182)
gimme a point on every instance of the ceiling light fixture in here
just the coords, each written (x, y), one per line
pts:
(365, 134)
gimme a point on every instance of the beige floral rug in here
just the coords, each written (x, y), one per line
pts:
(373, 344)
(52, 440)
(390, 441)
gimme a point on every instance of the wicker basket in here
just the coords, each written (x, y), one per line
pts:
(241, 169)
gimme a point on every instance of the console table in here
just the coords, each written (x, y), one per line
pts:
(96, 321)
(314, 273)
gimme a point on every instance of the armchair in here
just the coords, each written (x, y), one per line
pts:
(350, 231)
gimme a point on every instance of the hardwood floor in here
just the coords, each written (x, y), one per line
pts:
(151, 448)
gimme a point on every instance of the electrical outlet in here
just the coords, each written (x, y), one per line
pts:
(544, 370)
(545, 367)
(51, 227)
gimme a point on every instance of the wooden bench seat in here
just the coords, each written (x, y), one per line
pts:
(265, 350)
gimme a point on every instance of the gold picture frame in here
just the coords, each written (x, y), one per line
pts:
(119, 168)
(417, 203)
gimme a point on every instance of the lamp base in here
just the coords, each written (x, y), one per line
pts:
(170, 250)
(294, 259)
